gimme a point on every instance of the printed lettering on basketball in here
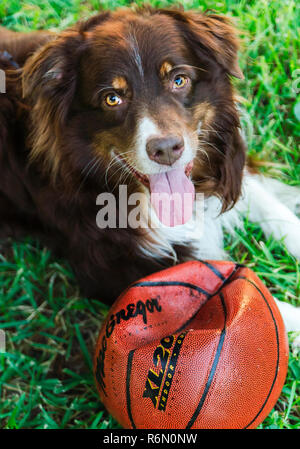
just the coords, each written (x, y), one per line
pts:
(158, 383)
(132, 310)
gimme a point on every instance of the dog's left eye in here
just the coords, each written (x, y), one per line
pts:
(113, 100)
(180, 81)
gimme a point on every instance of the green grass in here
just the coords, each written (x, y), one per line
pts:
(45, 375)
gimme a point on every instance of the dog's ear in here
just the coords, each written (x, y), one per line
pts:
(49, 82)
(210, 34)
(222, 176)
(50, 74)
(231, 171)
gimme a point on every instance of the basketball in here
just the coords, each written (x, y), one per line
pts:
(201, 345)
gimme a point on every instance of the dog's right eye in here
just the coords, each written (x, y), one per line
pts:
(113, 100)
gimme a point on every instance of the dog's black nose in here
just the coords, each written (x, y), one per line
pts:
(165, 150)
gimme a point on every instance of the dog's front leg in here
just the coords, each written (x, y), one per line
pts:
(271, 210)
(291, 318)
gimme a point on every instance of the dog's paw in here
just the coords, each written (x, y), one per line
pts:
(290, 315)
(296, 344)
(291, 239)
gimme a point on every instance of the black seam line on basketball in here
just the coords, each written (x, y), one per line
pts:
(186, 284)
(213, 368)
(277, 341)
(128, 400)
(236, 267)
(170, 283)
(213, 269)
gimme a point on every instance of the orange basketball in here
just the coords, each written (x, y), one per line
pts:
(200, 345)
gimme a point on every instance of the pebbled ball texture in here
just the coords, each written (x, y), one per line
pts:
(200, 345)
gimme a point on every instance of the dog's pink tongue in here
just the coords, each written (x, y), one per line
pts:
(172, 196)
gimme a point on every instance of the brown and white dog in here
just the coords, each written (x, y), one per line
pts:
(142, 98)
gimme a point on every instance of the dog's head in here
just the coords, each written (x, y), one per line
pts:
(142, 98)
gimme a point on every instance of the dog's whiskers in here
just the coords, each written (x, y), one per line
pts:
(114, 161)
(93, 165)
